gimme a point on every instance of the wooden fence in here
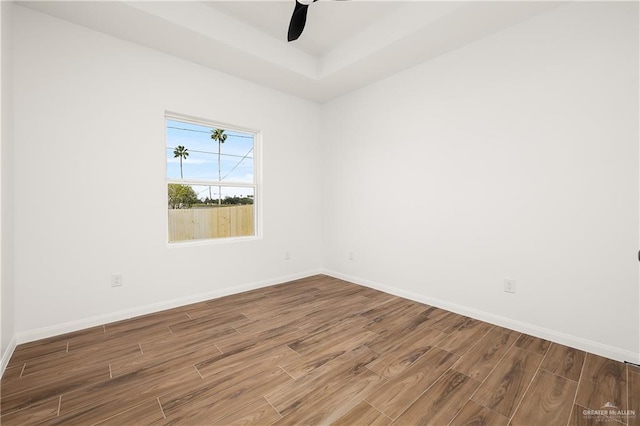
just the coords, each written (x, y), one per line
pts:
(214, 222)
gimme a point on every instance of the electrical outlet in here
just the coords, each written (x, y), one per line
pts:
(351, 255)
(116, 280)
(509, 286)
(287, 255)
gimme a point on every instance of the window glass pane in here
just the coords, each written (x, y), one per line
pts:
(198, 212)
(198, 152)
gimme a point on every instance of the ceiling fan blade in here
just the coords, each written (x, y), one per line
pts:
(298, 20)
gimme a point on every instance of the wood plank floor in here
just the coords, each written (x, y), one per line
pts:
(313, 351)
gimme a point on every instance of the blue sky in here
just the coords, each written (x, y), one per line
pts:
(236, 157)
(236, 154)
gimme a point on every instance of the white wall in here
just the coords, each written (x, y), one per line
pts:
(7, 299)
(90, 186)
(515, 156)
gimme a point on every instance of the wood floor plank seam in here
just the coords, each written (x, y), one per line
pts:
(274, 408)
(85, 407)
(506, 385)
(390, 419)
(558, 375)
(607, 422)
(289, 346)
(125, 417)
(524, 395)
(288, 374)
(198, 371)
(364, 414)
(633, 380)
(418, 395)
(575, 397)
(42, 391)
(479, 339)
(493, 411)
(426, 356)
(492, 370)
(628, 398)
(271, 404)
(161, 409)
(450, 382)
(604, 384)
(54, 401)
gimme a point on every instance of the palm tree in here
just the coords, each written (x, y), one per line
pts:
(219, 135)
(181, 152)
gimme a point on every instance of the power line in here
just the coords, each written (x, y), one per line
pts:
(208, 132)
(237, 164)
(206, 189)
(214, 153)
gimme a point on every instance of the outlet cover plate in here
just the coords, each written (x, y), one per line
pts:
(116, 280)
(509, 286)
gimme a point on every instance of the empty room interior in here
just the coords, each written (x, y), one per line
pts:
(310, 213)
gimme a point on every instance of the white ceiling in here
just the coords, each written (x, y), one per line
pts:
(345, 45)
(328, 22)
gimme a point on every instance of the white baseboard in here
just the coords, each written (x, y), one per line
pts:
(541, 332)
(544, 333)
(68, 327)
(6, 355)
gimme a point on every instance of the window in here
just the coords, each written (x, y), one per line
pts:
(211, 180)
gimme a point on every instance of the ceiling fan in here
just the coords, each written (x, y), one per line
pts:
(298, 19)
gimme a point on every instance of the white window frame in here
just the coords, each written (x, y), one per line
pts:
(256, 185)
